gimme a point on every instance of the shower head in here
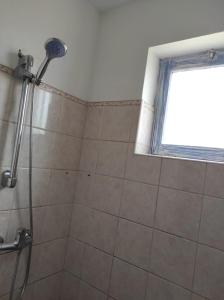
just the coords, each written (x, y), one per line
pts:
(55, 48)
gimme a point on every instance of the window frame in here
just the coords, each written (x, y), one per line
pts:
(166, 66)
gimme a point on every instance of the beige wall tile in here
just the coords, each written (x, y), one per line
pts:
(209, 273)
(7, 264)
(93, 122)
(40, 188)
(41, 181)
(7, 133)
(56, 221)
(74, 256)
(112, 158)
(214, 180)
(212, 225)
(70, 287)
(116, 123)
(138, 202)
(173, 258)
(38, 220)
(61, 188)
(4, 221)
(82, 188)
(35, 263)
(134, 123)
(51, 258)
(89, 155)
(96, 268)
(183, 174)
(127, 282)
(196, 297)
(48, 289)
(72, 118)
(159, 289)
(94, 227)
(87, 292)
(44, 145)
(46, 110)
(142, 168)
(134, 243)
(9, 97)
(178, 212)
(67, 152)
(105, 193)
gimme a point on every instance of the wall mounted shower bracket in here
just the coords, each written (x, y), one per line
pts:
(22, 72)
(8, 180)
(55, 48)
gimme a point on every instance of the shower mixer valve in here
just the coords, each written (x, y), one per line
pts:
(22, 240)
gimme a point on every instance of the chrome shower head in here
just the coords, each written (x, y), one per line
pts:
(55, 48)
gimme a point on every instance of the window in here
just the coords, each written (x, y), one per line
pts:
(189, 107)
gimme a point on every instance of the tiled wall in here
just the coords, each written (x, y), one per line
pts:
(143, 228)
(58, 127)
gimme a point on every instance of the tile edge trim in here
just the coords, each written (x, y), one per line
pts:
(52, 89)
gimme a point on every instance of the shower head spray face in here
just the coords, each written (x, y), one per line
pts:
(55, 48)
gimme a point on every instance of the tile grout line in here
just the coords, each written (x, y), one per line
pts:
(95, 173)
(199, 227)
(118, 217)
(154, 213)
(147, 271)
(154, 221)
(151, 227)
(41, 279)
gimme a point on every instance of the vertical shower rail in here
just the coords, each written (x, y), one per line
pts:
(22, 71)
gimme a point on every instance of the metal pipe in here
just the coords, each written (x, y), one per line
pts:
(9, 177)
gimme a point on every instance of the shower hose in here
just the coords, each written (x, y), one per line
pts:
(25, 281)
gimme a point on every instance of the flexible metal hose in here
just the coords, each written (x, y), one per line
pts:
(12, 289)
(25, 282)
(30, 191)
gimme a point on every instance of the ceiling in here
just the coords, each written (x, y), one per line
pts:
(103, 5)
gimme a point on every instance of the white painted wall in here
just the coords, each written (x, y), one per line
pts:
(126, 34)
(26, 24)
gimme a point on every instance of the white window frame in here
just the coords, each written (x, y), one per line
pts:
(146, 124)
(167, 66)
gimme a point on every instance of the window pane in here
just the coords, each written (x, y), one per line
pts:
(195, 108)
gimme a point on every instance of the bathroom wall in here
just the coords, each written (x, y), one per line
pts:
(58, 124)
(127, 32)
(28, 24)
(142, 227)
